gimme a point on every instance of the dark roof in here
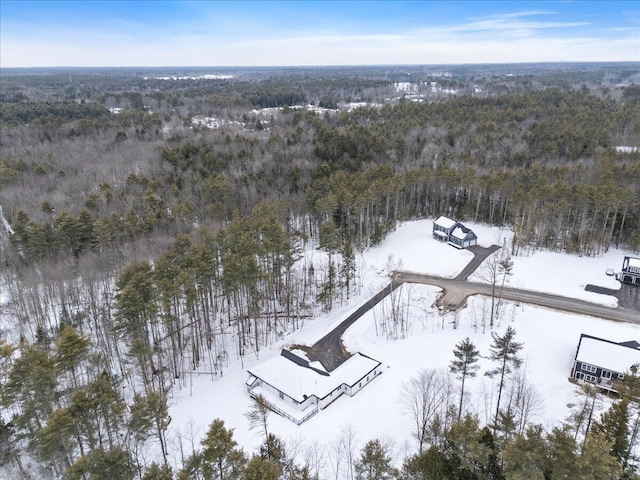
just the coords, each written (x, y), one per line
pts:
(301, 362)
(631, 344)
(465, 229)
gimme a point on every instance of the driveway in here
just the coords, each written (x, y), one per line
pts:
(330, 351)
(628, 295)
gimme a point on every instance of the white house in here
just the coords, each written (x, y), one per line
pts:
(603, 362)
(297, 389)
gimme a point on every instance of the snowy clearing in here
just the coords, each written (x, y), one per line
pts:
(550, 340)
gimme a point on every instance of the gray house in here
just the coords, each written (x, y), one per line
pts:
(603, 362)
(453, 232)
(630, 271)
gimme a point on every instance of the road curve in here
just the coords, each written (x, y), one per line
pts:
(463, 289)
(329, 349)
(331, 353)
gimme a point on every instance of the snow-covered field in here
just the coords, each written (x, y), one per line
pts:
(550, 340)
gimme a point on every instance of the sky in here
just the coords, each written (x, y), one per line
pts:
(95, 33)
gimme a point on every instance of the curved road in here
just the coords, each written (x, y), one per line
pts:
(460, 290)
(331, 353)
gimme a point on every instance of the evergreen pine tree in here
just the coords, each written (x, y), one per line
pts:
(31, 387)
(158, 472)
(149, 415)
(563, 453)
(614, 426)
(526, 457)
(504, 351)
(629, 389)
(375, 462)
(258, 415)
(54, 438)
(103, 464)
(71, 349)
(8, 444)
(135, 315)
(429, 464)
(221, 459)
(464, 365)
(596, 461)
(273, 450)
(259, 468)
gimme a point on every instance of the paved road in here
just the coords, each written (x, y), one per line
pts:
(628, 295)
(329, 349)
(331, 353)
(480, 254)
(463, 289)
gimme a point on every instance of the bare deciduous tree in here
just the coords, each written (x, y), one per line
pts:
(426, 399)
(342, 453)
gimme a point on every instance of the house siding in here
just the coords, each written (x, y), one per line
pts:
(277, 396)
(603, 377)
(630, 271)
(444, 234)
(283, 396)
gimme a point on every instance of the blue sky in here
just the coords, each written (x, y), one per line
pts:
(256, 33)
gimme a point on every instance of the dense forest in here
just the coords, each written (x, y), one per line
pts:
(154, 222)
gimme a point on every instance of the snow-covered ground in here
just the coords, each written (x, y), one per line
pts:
(554, 272)
(550, 339)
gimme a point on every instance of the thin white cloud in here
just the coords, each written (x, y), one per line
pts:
(511, 37)
(513, 21)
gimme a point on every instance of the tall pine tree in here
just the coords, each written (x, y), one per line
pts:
(464, 365)
(504, 351)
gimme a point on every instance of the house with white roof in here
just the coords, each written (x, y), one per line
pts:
(603, 362)
(453, 232)
(297, 389)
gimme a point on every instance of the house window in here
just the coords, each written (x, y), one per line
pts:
(589, 368)
(590, 378)
(605, 374)
(281, 395)
(360, 385)
(367, 379)
(620, 376)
